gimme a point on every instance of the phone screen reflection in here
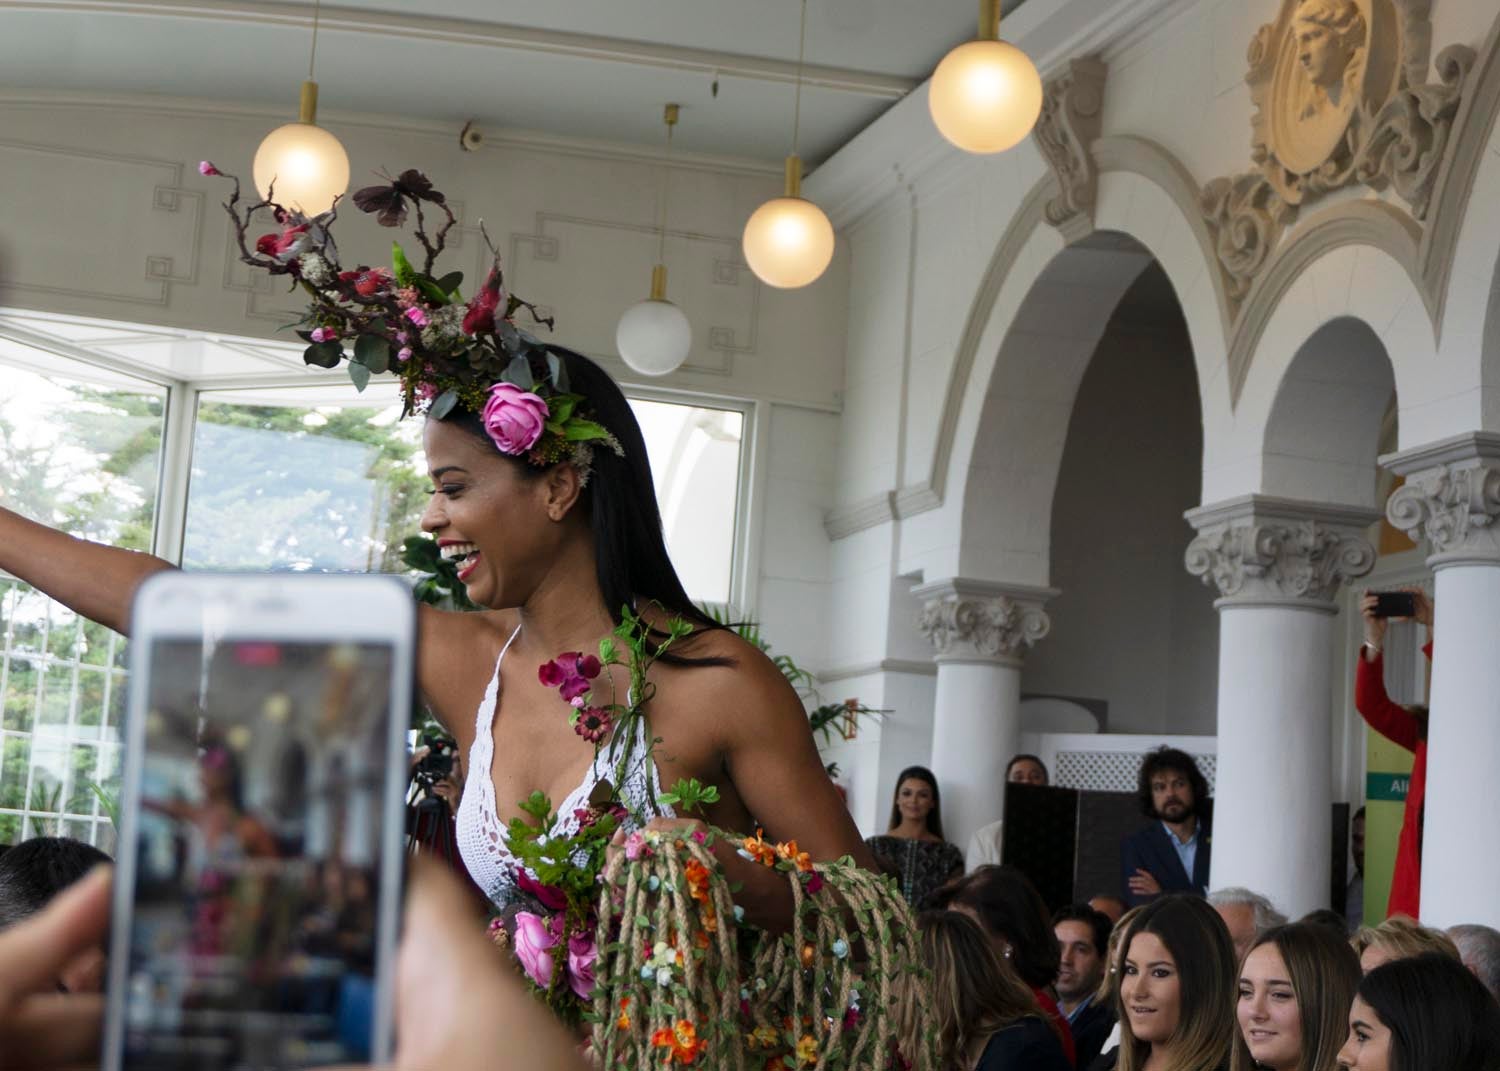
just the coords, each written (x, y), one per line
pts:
(254, 932)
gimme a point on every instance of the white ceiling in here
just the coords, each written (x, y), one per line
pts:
(594, 69)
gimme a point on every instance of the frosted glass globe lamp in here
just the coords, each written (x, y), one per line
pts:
(788, 241)
(307, 164)
(654, 336)
(985, 95)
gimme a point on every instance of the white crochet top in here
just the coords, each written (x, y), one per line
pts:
(481, 834)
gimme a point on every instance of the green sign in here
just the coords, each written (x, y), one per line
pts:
(1387, 786)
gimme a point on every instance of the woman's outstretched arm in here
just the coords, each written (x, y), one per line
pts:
(93, 579)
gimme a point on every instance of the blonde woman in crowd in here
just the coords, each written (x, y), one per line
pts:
(1176, 992)
(1296, 985)
(987, 1018)
(1398, 937)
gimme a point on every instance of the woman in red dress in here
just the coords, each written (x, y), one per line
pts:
(1404, 726)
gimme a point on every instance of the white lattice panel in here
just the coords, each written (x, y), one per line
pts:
(1113, 771)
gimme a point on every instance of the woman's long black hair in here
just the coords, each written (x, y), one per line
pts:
(630, 549)
(1438, 1013)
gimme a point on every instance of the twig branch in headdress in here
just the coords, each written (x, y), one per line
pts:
(435, 246)
(242, 224)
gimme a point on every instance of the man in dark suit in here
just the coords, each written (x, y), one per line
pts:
(1083, 938)
(1172, 853)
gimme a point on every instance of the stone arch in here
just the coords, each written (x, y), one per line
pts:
(1458, 251)
(1007, 403)
(1464, 230)
(1323, 431)
(1026, 402)
(1305, 374)
(1375, 224)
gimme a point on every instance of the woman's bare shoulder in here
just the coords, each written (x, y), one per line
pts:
(456, 655)
(744, 680)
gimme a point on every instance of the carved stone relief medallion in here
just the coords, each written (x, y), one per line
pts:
(1321, 74)
(1341, 96)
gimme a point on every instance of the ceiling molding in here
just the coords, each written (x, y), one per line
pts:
(473, 33)
(494, 138)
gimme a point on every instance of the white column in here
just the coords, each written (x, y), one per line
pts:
(1277, 564)
(1452, 497)
(979, 631)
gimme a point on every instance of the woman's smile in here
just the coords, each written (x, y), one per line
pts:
(465, 555)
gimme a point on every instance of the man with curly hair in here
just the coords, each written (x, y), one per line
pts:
(1172, 853)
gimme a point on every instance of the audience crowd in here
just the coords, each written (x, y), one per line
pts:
(1165, 974)
(1160, 974)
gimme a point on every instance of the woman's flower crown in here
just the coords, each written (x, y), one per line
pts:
(448, 353)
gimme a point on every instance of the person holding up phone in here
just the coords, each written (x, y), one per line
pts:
(1405, 726)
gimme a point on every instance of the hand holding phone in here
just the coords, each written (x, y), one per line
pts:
(1395, 604)
(262, 826)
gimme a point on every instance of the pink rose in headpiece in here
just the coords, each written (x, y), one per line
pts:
(533, 943)
(514, 418)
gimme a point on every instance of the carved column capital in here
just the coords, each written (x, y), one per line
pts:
(1071, 121)
(1451, 497)
(1258, 550)
(979, 621)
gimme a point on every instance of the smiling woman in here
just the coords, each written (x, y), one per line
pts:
(1176, 991)
(1295, 988)
(542, 495)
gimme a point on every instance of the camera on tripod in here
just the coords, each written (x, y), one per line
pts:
(437, 764)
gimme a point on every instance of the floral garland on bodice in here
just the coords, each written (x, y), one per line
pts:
(648, 953)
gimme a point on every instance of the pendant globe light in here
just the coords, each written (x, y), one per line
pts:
(654, 335)
(307, 164)
(985, 95)
(788, 241)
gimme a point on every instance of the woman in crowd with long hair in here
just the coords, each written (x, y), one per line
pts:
(913, 849)
(1424, 1013)
(1176, 988)
(1295, 988)
(986, 1017)
(1013, 916)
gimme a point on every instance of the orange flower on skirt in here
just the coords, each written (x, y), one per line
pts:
(681, 1043)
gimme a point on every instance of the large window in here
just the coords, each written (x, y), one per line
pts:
(310, 487)
(695, 464)
(81, 451)
(299, 472)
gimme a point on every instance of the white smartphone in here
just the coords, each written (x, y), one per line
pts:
(261, 844)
